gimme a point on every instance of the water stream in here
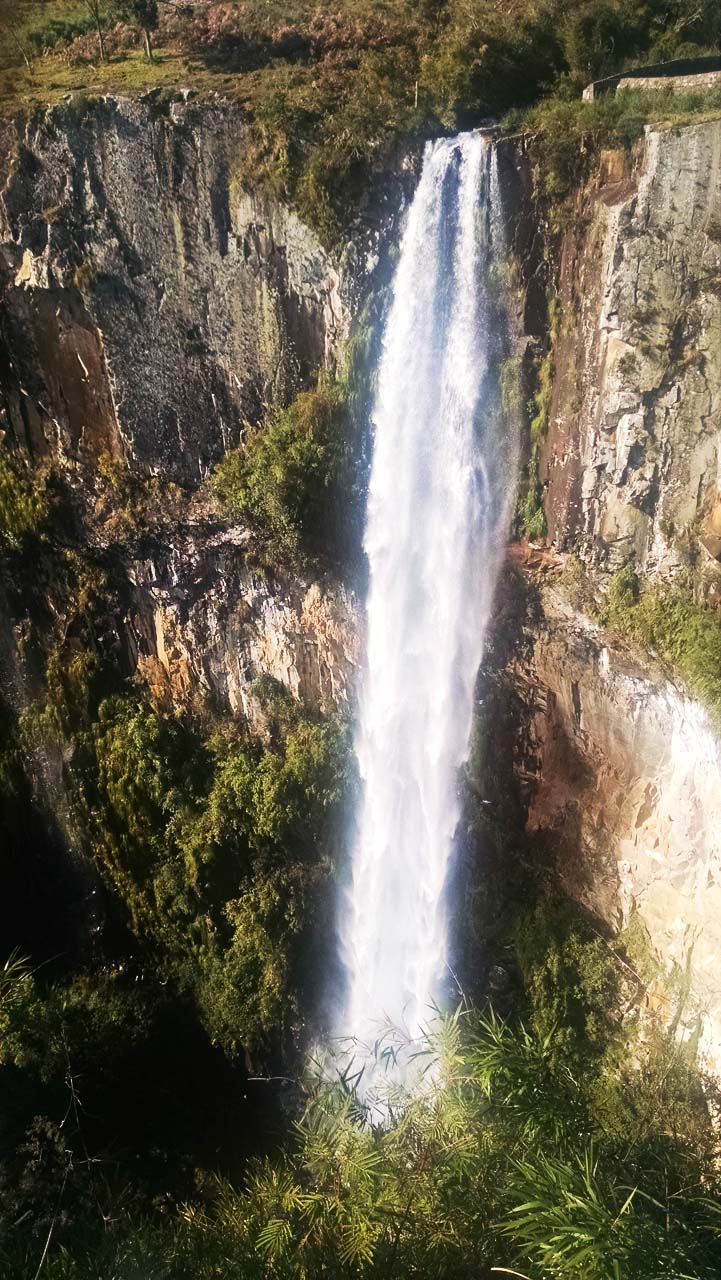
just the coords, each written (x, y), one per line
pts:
(441, 483)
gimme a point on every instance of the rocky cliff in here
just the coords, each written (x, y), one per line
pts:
(631, 459)
(616, 765)
(151, 304)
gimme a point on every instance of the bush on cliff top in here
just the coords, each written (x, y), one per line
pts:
(329, 93)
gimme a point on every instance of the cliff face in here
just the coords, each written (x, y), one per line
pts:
(632, 454)
(150, 307)
(150, 304)
(203, 623)
(616, 766)
(621, 775)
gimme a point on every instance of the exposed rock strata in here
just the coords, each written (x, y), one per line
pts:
(151, 305)
(632, 455)
(203, 623)
(621, 776)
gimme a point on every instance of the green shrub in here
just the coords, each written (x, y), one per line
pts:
(85, 1025)
(571, 979)
(672, 625)
(530, 514)
(24, 506)
(221, 852)
(495, 1166)
(254, 990)
(65, 710)
(484, 61)
(570, 131)
(60, 31)
(292, 478)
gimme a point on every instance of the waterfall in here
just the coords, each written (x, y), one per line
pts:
(441, 483)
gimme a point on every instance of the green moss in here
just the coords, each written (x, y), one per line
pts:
(530, 513)
(65, 707)
(131, 505)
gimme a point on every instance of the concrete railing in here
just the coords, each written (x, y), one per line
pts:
(681, 75)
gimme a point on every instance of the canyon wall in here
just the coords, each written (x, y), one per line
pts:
(619, 774)
(631, 460)
(152, 303)
(616, 765)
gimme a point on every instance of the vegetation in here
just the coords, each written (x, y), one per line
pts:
(142, 14)
(672, 625)
(23, 502)
(572, 1140)
(329, 94)
(294, 477)
(530, 514)
(569, 131)
(219, 850)
(502, 1159)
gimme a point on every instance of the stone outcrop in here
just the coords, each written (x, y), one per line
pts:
(631, 460)
(203, 624)
(611, 762)
(151, 305)
(594, 764)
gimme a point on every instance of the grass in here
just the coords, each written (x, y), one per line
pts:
(672, 625)
(330, 93)
(51, 78)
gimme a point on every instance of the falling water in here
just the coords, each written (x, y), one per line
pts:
(440, 489)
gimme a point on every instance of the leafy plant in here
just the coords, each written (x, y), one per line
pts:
(292, 476)
(673, 625)
(24, 505)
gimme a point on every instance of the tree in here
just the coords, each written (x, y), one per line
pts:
(93, 7)
(142, 14)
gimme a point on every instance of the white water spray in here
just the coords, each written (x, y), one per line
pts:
(441, 483)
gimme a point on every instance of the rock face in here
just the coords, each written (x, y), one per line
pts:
(150, 304)
(622, 774)
(204, 624)
(614, 764)
(632, 455)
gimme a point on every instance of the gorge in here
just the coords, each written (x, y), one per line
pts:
(359, 653)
